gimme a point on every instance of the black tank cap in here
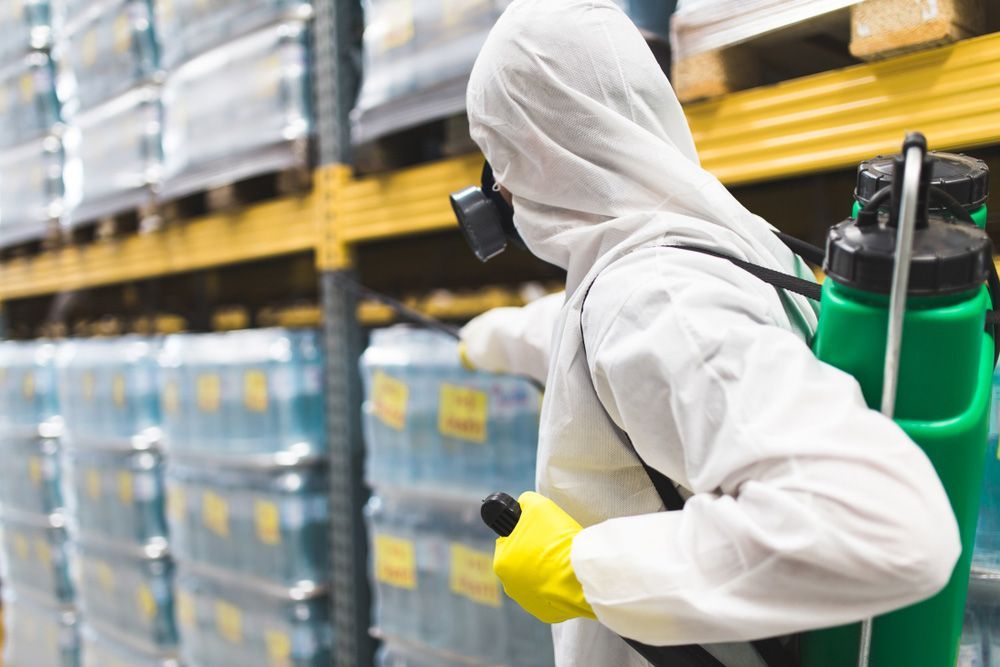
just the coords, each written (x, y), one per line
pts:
(964, 178)
(948, 257)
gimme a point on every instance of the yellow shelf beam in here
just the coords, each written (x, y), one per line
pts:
(816, 123)
(836, 119)
(280, 227)
(408, 201)
(826, 121)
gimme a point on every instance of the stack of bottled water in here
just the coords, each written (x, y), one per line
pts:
(236, 99)
(114, 148)
(191, 27)
(108, 390)
(439, 439)
(38, 591)
(31, 157)
(98, 652)
(35, 634)
(980, 645)
(248, 494)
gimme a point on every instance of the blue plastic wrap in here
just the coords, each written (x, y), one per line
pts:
(127, 592)
(430, 423)
(270, 524)
(24, 24)
(434, 585)
(115, 155)
(239, 110)
(36, 557)
(188, 28)
(29, 103)
(37, 634)
(30, 475)
(119, 496)
(401, 654)
(109, 391)
(223, 623)
(111, 47)
(986, 555)
(31, 190)
(27, 386)
(418, 57)
(101, 651)
(253, 392)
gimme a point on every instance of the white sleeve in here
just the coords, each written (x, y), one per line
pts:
(810, 509)
(514, 340)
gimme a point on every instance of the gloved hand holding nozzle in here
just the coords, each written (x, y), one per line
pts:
(532, 557)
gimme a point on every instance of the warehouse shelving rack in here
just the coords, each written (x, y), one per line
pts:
(823, 122)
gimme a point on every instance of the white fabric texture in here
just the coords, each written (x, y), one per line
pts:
(514, 340)
(809, 509)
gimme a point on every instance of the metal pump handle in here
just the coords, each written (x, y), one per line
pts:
(915, 148)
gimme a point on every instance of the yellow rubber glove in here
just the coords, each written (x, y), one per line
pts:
(463, 356)
(534, 562)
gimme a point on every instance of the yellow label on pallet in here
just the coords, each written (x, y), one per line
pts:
(399, 20)
(472, 575)
(89, 47)
(389, 398)
(118, 390)
(27, 85)
(395, 562)
(255, 391)
(176, 503)
(43, 552)
(92, 477)
(105, 575)
(21, 548)
(268, 521)
(28, 385)
(171, 398)
(35, 470)
(124, 479)
(269, 78)
(209, 391)
(455, 11)
(279, 648)
(215, 513)
(87, 385)
(145, 602)
(229, 622)
(123, 34)
(463, 413)
(187, 614)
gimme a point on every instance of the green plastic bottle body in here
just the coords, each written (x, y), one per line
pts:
(944, 390)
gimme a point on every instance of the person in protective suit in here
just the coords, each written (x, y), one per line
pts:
(805, 509)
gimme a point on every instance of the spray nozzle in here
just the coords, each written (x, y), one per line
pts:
(501, 513)
(913, 140)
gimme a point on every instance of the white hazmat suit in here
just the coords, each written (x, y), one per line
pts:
(808, 509)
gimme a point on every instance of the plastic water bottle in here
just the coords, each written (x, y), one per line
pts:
(970, 651)
(987, 547)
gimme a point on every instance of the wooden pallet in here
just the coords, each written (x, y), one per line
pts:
(142, 218)
(431, 141)
(870, 30)
(232, 196)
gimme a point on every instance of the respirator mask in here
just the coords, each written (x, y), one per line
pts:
(485, 217)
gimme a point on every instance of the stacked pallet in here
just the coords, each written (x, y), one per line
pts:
(723, 45)
(31, 115)
(40, 613)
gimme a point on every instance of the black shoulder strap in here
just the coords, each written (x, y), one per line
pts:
(800, 286)
(771, 651)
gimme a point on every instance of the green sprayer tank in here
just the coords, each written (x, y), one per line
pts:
(945, 370)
